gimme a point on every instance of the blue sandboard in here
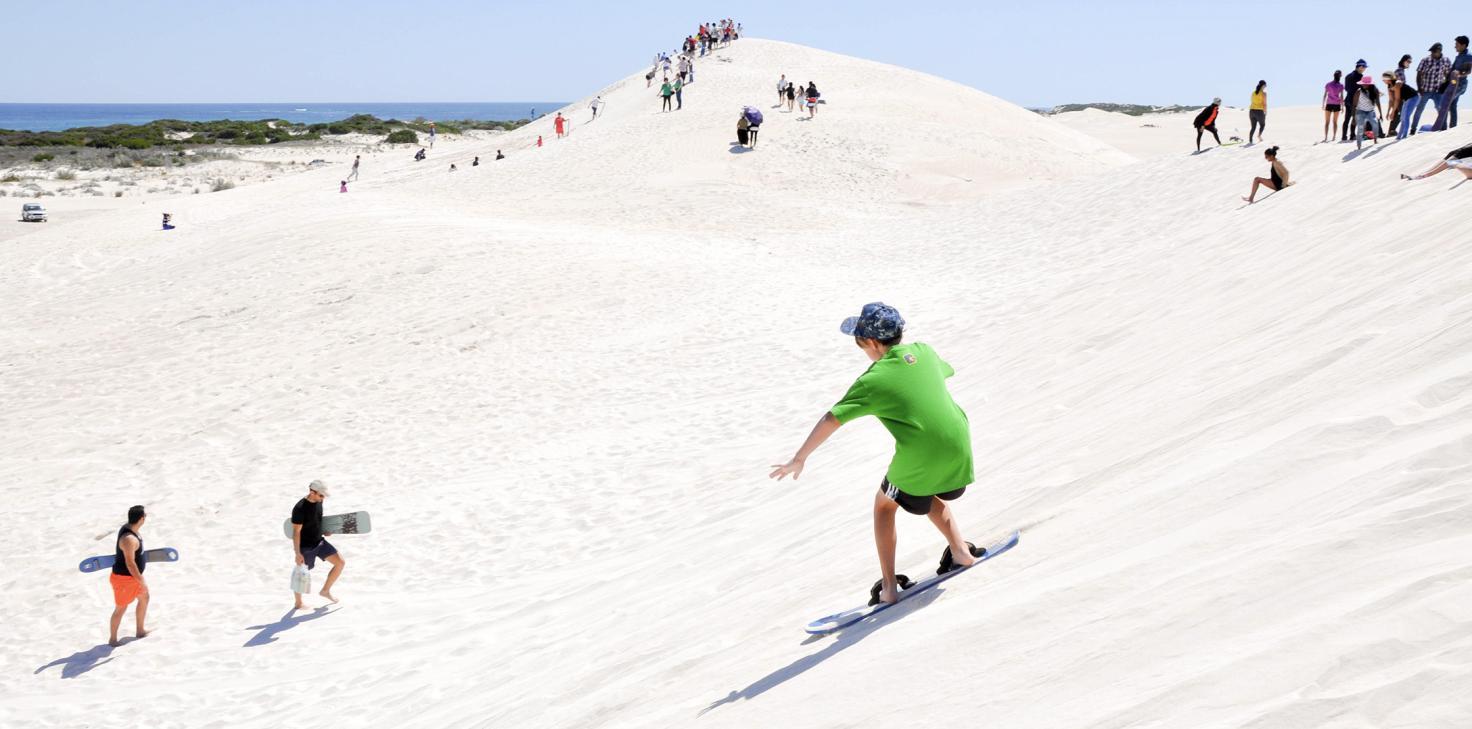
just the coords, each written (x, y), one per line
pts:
(96, 564)
(839, 621)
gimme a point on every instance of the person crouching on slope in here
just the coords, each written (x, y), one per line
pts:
(905, 388)
(1206, 121)
(1278, 176)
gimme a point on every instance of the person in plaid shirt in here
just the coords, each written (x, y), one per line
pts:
(1431, 78)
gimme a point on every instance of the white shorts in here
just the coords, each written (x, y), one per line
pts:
(1464, 163)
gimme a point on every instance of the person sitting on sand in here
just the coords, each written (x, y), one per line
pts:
(1277, 179)
(168, 222)
(309, 541)
(452, 167)
(475, 162)
(905, 388)
(127, 576)
(499, 155)
(419, 155)
(1459, 159)
(342, 186)
(1206, 122)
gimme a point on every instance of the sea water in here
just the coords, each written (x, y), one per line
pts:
(58, 117)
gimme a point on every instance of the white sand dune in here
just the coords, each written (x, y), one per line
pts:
(1237, 439)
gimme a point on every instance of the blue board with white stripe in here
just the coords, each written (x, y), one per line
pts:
(839, 621)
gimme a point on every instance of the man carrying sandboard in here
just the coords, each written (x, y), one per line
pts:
(905, 388)
(307, 539)
(127, 575)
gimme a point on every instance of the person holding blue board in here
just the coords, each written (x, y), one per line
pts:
(127, 575)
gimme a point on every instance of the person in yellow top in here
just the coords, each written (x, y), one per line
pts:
(1257, 113)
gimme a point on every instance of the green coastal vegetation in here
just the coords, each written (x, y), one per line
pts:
(177, 133)
(1130, 109)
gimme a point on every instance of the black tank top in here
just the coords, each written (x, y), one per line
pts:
(119, 562)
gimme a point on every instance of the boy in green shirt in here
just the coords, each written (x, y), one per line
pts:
(905, 388)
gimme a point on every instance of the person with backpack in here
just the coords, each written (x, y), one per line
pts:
(812, 98)
(1277, 178)
(1205, 121)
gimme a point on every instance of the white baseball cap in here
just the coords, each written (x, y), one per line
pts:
(318, 486)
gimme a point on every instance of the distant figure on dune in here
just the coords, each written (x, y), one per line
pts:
(748, 126)
(665, 92)
(419, 156)
(342, 186)
(431, 135)
(475, 162)
(1459, 159)
(781, 89)
(1401, 125)
(560, 126)
(679, 95)
(354, 174)
(1352, 89)
(499, 155)
(309, 542)
(168, 222)
(1257, 112)
(791, 96)
(539, 140)
(1206, 122)
(127, 576)
(812, 99)
(1276, 180)
(649, 77)
(595, 106)
(1367, 113)
(1333, 104)
(452, 166)
(905, 388)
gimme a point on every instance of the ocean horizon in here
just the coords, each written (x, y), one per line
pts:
(60, 117)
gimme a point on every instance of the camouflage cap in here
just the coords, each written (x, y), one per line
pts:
(877, 321)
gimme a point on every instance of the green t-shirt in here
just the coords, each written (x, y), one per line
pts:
(906, 390)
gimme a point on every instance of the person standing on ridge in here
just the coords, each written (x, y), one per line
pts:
(1333, 104)
(1367, 113)
(665, 92)
(1257, 112)
(781, 89)
(905, 388)
(1392, 101)
(431, 135)
(1454, 82)
(1431, 81)
(679, 96)
(1276, 180)
(309, 542)
(1352, 86)
(127, 576)
(1406, 94)
(1462, 64)
(354, 174)
(1206, 122)
(559, 125)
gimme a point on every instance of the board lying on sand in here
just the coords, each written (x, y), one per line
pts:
(839, 621)
(354, 523)
(105, 562)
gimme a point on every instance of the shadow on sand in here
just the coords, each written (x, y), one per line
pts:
(81, 662)
(737, 148)
(844, 639)
(291, 619)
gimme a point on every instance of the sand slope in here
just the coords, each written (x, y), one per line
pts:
(1237, 439)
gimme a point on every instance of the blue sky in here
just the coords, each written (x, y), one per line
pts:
(1035, 53)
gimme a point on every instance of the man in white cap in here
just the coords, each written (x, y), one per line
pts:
(307, 538)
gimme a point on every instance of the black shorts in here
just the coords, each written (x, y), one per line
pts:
(1332, 107)
(918, 505)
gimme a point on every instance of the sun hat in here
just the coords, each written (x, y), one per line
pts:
(876, 321)
(1367, 80)
(318, 486)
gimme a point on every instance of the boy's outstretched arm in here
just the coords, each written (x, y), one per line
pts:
(825, 427)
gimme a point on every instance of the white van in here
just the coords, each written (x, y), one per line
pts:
(32, 213)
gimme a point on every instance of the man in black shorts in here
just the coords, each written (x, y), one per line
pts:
(307, 539)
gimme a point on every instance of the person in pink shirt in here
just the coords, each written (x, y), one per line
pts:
(1333, 103)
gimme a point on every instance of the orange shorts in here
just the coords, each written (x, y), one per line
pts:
(125, 589)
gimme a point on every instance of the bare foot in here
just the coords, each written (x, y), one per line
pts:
(1248, 200)
(299, 605)
(328, 595)
(964, 560)
(890, 595)
(114, 642)
(142, 633)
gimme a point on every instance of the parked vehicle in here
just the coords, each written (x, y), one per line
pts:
(32, 213)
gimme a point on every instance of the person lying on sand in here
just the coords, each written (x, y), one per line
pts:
(905, 388)
(309, 541)
(127, 576)
(1459, 159)
(1277, 179)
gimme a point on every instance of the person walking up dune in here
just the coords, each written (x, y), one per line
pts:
(1276, 180)
(1367, 113)
(1406, 95)
(595, 106)
(791, 97)
(126, 579)
(665, 92)
(905, 388)
(354, 174)
(781, 89)
(1205, 121)
(812, 99)
(310, 543)
(1333, 104)
(1459, 159)
(1257, 112)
